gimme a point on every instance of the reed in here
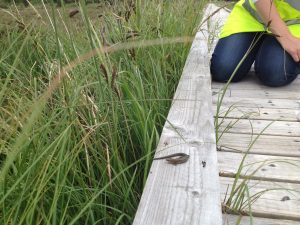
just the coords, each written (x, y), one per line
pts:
(81, 113)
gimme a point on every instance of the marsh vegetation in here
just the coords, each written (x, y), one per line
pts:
(78, 130)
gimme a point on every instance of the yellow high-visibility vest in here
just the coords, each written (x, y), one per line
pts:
(244, 17)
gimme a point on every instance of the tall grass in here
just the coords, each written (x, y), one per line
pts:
(82, 155)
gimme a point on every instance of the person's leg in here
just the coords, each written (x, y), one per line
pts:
(228, 53)
(273, 65)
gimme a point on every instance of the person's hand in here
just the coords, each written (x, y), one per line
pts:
(269, 13)
(291, 45)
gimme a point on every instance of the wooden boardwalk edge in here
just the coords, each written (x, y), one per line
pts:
(187, 193)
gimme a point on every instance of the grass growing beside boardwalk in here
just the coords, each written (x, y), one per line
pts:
(82, 156)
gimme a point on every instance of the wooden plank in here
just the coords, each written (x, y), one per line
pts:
(268, 94)
(270, 114)
(276, 200)
(282, 193)
(266, 167)
(252, 83)
(188, 193)
(191, 83)
(245, 126)
(232, 220)
(260, 103)
(265, 144)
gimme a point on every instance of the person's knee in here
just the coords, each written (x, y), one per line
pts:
(219, 71)
(275, 76)
(273, 66)
(222, 70)
(224, 60)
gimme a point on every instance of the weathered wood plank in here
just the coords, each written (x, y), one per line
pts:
(265, 144)
(281, 193)
(190, 83)
(252, 83)
(268, 94)
(260, 103)
(276, 200)
(245, 126)
(232, 220)
(265, 166)
(270, 114)
(188, 193)
(293, 104)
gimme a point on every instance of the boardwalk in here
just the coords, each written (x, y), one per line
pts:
(270, 176)
(274, 160)
(258, 127)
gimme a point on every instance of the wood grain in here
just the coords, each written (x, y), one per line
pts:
(269, 93)
(264, 145)
(260, 103)
(277, 199)
(269, 114)
(275, 128)
(252, 83)
(264, 166)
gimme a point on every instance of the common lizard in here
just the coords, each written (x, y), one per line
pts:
(176, 158)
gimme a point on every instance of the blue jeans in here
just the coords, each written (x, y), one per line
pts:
(273, 66)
